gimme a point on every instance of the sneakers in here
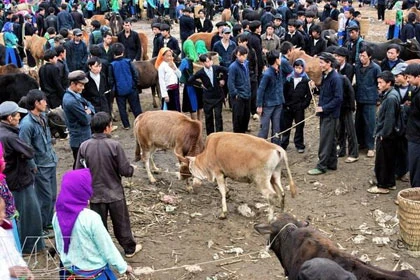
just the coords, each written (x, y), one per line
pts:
(138, 249)
(370, 153)
(316, 171)
(351, 159)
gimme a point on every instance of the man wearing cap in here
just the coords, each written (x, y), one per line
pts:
(278, 29)
(345, 68)
(131, 41)
(225, 48)
(186, 24)
(217, 37)
(366, 100)
(64, 18)
(19, 177)
(49, 80)
(353, 44)
(168, 40)
(392, 58)
(35, 132)
(156, 39)
(78, 111)
(405, 91)
(330, 99)
(28, 28)
(77, 53)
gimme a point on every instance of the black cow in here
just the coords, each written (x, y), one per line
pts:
(15, 86)
(250, 14)
(409, 50)
(115, 22)
(294, 242)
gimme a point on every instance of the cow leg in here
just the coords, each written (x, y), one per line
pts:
(155, 168)
(220, 179)
(276, 184)
(138, 152)
(267, 191)
(147, 158)
(154, 95)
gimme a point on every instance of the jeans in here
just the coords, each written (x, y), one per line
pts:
(270, 115)
(327, 152)
(133, 101)
(30, 221)
(365, 125)
(46, 191)
(120, 222)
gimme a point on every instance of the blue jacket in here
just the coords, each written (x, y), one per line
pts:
(366, 84)
(238, 80)
(123, 76)
(331, 95)
(39, 138)
(225, 54)
(65, 20)
(77, 55)
(270, 91)
(77, 121)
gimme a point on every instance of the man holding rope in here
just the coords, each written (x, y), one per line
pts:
(330, 98)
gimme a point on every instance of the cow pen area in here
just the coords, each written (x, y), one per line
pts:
(182, 237)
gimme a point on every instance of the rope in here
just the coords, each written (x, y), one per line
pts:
(311, 90)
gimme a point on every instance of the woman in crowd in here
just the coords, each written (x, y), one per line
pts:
(11, 42)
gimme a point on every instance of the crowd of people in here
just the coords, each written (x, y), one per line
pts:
(359, 105)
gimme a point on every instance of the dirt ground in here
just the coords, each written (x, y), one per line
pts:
(186, 240)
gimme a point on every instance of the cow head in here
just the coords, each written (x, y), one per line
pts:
(413, 46)
(278, 224)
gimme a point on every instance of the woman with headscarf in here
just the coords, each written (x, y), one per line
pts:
(11, 212)
(11, 42)
(169, 76)
(192, 95)
(200, 47)
(297, 97)
(85, 246)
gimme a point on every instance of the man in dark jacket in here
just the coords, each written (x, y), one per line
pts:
(40, 22)
(386, 154)
(203, 24)
(19, 177)
(392, 58)
(167, 40)
(156, 39)
(49, 80)
(51, 20)
(77, 53)
(330, 98)
(254, 42)
(78, 18)
(131, 41)
(213, 78)
(317, 44)
(366, 99)
(345, 68)
(64, 18)
(354, 44)
(293, 36)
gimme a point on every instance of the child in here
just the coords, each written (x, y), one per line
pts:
(297, 98)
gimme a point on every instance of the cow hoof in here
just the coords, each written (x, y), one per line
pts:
(137, 158)
(189, 189)
(178, 175)
(156, 171)
(222, 216)
(196, 182)
(152, 180)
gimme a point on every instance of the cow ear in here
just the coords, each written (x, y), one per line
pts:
(263, 228)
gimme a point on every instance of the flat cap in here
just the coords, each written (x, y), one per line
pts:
(28, 16)
(165, 27)
(278, 16)
(59, 39)
(77, 32)
(10, 107)
(254, 24)
(226, 30)
(341, 51)
(399, 68)
(221, 23)
(156, 25)
(78, 76)
(353, 27)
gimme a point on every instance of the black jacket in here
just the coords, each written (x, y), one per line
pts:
(156, 43)
(78, 19)
(211, 93)
(316, 48)
(172, 44)
(385, 64)
(16, 155)
(97, 97)
(413, 124)
(216, 38)
(297, 39)
(50, 83)
(348, 103)
(348, 70)
(207, 26)
(40, 25)
(51, 21)
(254, 42)
(186, 27)
(131, 43)
(297, 98)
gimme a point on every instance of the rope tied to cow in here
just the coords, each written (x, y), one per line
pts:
(269, 243)
(311, 90)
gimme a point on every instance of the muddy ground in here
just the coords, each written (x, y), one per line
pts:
(189, 233)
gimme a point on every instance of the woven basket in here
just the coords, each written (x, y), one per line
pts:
(364, 26)
(409, 216)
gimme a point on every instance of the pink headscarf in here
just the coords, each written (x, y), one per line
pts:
(2, 164)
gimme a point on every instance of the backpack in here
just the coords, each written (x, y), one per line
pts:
(401, 118)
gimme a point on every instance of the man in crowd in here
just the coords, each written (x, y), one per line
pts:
(77, 53)
(131, 41)
(49, 80)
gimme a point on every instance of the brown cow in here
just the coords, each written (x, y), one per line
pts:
(411, 10)
(205, 36)
(312, 67)
(294, 243)
(166, 130)
(144, 43)
(148, 78)
(329, 23)
(9, 69)
(243, 158)
(101, 19)
(35, 45)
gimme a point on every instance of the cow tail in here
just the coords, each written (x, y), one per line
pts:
(283, 155)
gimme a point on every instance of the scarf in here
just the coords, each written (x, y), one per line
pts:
(159, 58)
(200, 47)
(189, 50)
(2, 164)
(76, 190)
(293, 75)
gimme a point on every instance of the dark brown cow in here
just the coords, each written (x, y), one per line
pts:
(148, 78)
(294, 242)
(243, 158)
(329, 23)
(166, 130)
(101, 19)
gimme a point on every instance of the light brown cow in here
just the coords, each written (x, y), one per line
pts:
(409, 11)
(101, 19)
(166, 130)
(205, 36)
(243, 158)
(35, 45)
(312, 67)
